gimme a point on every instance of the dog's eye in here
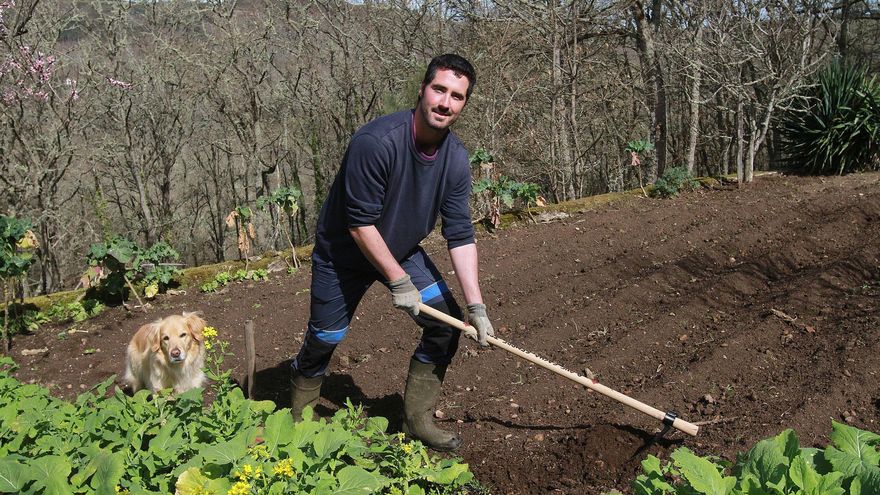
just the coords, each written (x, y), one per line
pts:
(183, 335)
(166, 337)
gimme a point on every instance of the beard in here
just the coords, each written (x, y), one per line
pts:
(437, 119)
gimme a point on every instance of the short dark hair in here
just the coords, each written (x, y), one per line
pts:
(457, 64)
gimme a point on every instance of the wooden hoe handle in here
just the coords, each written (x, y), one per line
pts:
(666, 418)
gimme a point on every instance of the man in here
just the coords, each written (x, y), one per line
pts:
(399, 173)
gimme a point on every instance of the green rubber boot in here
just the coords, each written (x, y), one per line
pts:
(303, 392)
(422, 390)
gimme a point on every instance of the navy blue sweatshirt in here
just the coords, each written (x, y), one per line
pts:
(384, 181)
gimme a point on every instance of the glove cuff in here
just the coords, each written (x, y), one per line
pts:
(477, 309)
(402, 281)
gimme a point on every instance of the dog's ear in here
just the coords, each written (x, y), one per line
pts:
(196, 325)
(152, 333)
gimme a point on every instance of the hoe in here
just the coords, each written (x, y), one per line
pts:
(669, 419)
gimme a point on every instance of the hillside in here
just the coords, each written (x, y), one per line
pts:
(746, 310)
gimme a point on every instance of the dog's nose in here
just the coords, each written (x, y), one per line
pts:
(175, 353)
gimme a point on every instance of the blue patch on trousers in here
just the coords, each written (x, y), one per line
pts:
(332, 337)
(433, 291)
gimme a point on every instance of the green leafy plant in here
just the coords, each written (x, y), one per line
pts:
(481, 156)
(76, 311)
(507, 191)
(17, 243)
(776, 465)
(157, 267)
(834, 128)
(637, 150)
(673, 181)
(120, 263)
(287, 200)
(24, 318)
(223, 279)
(113, 443)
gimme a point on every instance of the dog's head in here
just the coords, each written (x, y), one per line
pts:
(178, 335)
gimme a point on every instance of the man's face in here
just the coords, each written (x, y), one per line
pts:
(442, 100)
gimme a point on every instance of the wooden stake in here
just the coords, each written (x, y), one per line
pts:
(250, 349)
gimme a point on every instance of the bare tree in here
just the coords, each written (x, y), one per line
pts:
(648, 23)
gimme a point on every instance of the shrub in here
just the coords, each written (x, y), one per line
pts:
(121, 262)
(673, 181)
(507, 191)
(17, 244)
(76, 311)
(834, 128)
(287, 199)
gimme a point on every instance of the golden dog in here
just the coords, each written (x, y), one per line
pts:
(168, 353)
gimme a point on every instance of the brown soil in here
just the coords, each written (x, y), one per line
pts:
(671, 302)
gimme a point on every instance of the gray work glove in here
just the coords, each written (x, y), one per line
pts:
(405, 296)
(478, 319)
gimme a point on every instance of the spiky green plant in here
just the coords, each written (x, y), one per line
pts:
(834, 128)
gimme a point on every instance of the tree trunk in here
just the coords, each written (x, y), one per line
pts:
(655, 93)
(739, 142)
(843, 33)
(695, 93)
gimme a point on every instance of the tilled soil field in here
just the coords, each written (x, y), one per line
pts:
(745, 310)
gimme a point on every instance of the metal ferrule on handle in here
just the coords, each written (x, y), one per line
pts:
(677, 423)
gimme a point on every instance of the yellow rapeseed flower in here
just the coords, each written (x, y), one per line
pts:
(284, 468)
(210, 334)
(240, 488)
(407, 448)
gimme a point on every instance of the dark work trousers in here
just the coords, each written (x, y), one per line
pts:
(335, 295)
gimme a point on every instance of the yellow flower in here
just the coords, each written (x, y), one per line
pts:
(249, 472)
(240, 488)
(121, 491)
(400, 437)
(407, 448)
(284, 468)
(209, 332)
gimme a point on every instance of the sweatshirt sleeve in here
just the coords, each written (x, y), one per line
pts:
(366, 178)
(455, 211)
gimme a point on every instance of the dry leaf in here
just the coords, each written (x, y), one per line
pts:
(230, 219)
